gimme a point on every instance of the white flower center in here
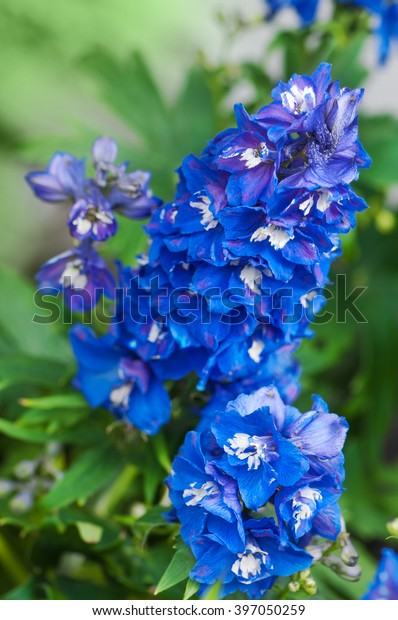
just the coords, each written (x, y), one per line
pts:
(198, 494)
(278, 237)
(120, 396)
(253, 157)
(252, 449)
(324, 200)
(72, 275)
(306, 205)
(298, 100)
(304, 504)
(154, 332)
(307, 297)
(208, 220)
(256, 350)
(250, 563)
(251, 277)
(90, 219)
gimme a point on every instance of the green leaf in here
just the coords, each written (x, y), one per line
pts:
(161, 451)
(16, 325)
(152, 518)
(131, 91)
(77, 590)
(378, 134)
(58, 418)
(193, 115)
(153, 476)
(72, 400)
(90, 533)
(191, 588)
(23, 433)
(83, 434)
(346, 64)
(16, 368)
(88, 474)
(179, 568)
(23, 592)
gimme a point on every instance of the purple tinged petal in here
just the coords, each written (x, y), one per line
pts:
(69, 171)
(320, 434)
(47, 187)
(104, 150)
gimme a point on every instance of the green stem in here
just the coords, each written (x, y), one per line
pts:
(14, 567)
(108, 501)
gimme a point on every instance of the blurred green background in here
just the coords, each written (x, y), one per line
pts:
(161, 77)
(52, 98)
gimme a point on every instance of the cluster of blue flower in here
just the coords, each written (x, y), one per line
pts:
(81, 273)
(234, 275)
(258, 455)
(384, 12)
(237, 261)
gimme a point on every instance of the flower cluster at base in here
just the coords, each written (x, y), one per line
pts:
(385, 13)
(238, 261)
(256, 458)
(385, 584)
(80, 273)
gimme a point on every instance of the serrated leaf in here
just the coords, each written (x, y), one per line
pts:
(88, 474)
(179, 568)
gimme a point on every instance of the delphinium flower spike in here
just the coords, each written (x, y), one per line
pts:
(238, 260)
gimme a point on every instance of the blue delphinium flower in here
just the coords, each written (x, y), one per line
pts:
(113, 188)
(118, 380)
(92, 216)
(310, 506)
(268, 445)
(384, 587)
(197, 335)
(80, 274)
(253, 453)
(225, 213)
(63, 180)
(204, 497)
(256, 454)
(255, 568)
